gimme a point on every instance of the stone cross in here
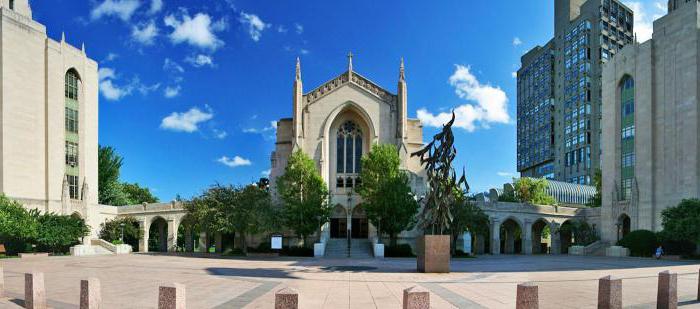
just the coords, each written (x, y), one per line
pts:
(287, 298)
(34, 291)
(527, 296)
(667, 297)
(416, 298)
(172, 296)
(609, 293)
(90, 297)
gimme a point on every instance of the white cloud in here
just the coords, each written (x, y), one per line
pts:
(123, 9)
(172, 66)
(145, 33)
(271, 127)
(506, 174)
(644, 16)
(517, 41)
(514, 74)
(220, 134)
(234, 162)
(255, 25)
(490, 103)
(110, 57)
(298, 28)
(187, 121)
(303, 51)
(172, 91)
(156, 6)
(282, 29)
(266, 173)
(197, 31)
(105, 73)
(114, 92)
(200, 61)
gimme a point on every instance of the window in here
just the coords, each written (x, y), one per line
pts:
(627, 155)
(348, 154)
(72, 85)
(12, 5)
(71, 120)
(73, 186)
(71, 154)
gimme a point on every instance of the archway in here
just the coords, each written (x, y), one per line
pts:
(541, 239)
(187, 236)
(360, 226)
(624, 226)
(511, 237)
(566, 236)
(158, 235)
(339, 222)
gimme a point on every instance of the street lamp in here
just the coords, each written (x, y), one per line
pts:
(122, 226)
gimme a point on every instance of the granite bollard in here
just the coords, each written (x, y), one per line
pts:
(698, 286)
(172, 296)
(90, 297)
(527, 296)
(609, 293)
(2, 282)
(287, 298)
(667, 297)
(416, 298)
(34, 291)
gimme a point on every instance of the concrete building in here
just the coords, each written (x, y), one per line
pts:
(48, 117)
(651, 141)
(559, 90)
(335, 124)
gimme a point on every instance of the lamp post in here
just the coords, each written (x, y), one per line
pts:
(618, 230)
(122, 227)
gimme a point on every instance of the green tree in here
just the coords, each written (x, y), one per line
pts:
(17, 226)
(683, 221)
(467, 217)
(58, 233)
(137, 194)
(597, 199)
(112, 231)
(386, 193)
(305, 196)
(246, 211)
(533, 191)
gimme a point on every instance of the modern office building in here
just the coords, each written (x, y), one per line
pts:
(650, 124)
(48, 117)
(559, 90)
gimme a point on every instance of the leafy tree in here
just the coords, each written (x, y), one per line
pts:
(597, 199)
(682, 223)
(584, 234)
(640, 242)
(17, 225)
(386, 193)
(304, 194)
(246, 211)
(467, 217)
(533, 191)
(138, 195)
(112, 231)
(58, 233)
(205, 213)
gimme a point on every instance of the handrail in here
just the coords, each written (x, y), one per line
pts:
(104, 244)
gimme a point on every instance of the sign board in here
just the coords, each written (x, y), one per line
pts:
(276, 242)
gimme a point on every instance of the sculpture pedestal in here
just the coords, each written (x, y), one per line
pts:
(433, 254)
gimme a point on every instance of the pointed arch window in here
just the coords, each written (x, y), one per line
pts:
(348, 154)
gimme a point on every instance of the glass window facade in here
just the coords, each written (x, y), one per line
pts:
(348, 155)
(72, 86)
(628, 157)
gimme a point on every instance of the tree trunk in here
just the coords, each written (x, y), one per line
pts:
(244, 244)
(453, 247)
(392, 240)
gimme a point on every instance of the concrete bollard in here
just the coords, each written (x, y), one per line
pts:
(698, 286)
(609, 293)
(172, 296)
(34, 291)
(287, 298)
(90, 297)
(527, 296)
(2, 282)
(667, 297)
(416, 297)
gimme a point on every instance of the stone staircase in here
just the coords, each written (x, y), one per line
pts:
(338, 249)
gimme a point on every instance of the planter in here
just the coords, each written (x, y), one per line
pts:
(433, 253)
(33, 255)
(577, 250)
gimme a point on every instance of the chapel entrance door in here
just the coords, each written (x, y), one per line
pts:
(339, 228)
(360, 228)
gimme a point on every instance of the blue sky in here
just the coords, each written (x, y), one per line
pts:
(189, 89)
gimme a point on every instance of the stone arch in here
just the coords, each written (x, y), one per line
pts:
(360, 223)
(624, 225)
(511, 235)
(541, 236)
(566, 236)
(158, 234)
(187, 236)
(339, 222)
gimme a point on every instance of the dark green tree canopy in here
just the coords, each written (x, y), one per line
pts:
(111, 190)
(682, 223)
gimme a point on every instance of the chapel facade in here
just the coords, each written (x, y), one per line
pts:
(336, 124)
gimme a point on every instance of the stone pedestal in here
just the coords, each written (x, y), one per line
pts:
(34, 291)
(527, 296)
(287, 298)
(667, 297)
(90, 297)
(433, 253)
(416, 298)
(609, 293)
(378, 251)
(577, 250)
(617, 251)
(172, 296)
(319, 249)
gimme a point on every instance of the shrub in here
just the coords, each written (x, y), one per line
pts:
(402, 250)
(640, 243)
(297, 251)
(58, 233)
(676, 247)
(112, 231)
(462, 254)
(264, 247)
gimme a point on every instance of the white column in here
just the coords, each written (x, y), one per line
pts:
(173, 225)
(495, 237)
(203, 242)
(555, 237)
(143, 242)
(527, 237)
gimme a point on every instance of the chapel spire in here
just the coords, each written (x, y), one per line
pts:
(350, 55)
(402, 76)
(298, 69)
(298, 99)
(402, 105)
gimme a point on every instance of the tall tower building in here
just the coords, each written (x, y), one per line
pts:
(559, 131)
